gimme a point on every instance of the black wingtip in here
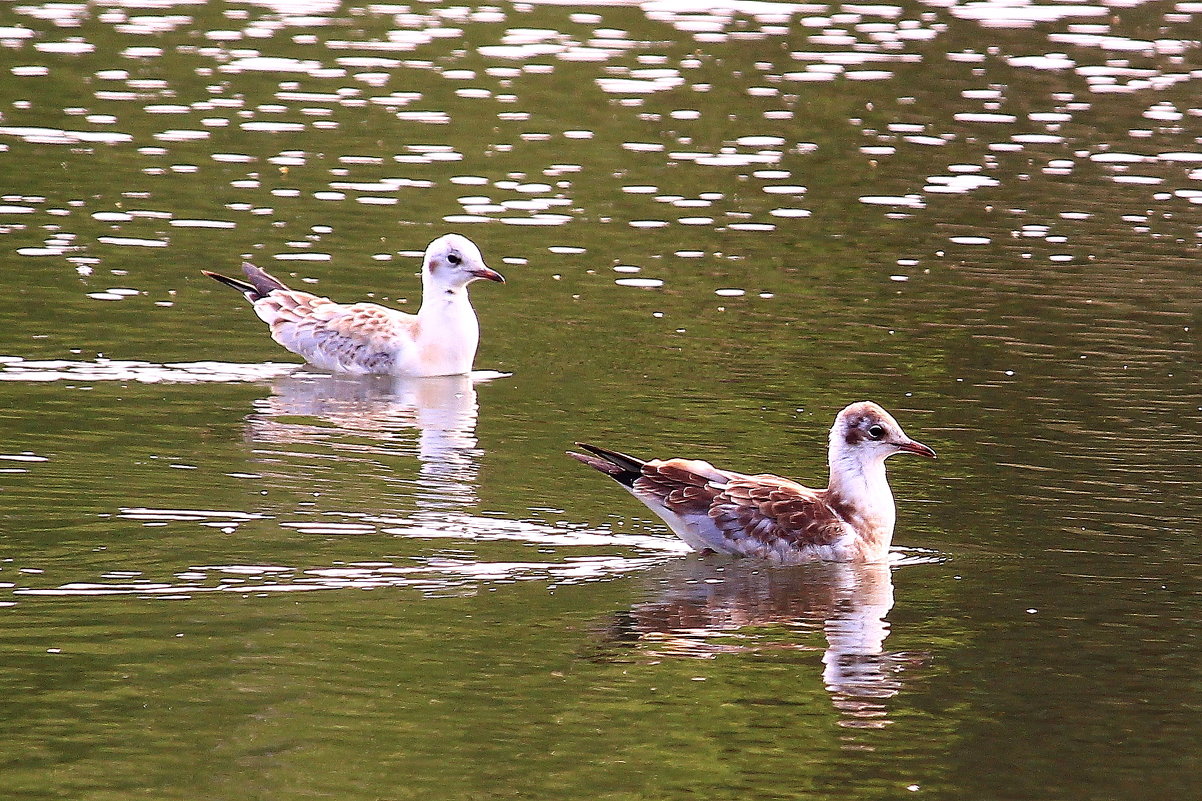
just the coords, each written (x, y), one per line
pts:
(619, 466)
(234, 283)
(624, 460)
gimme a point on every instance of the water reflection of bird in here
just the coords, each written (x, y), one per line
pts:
(366, 338)
(772, 517)
(708, 606)
(346, 410)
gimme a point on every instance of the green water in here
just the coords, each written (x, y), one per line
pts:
(220, 579)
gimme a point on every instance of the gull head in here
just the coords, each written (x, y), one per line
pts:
(453, 261)
(867, 433)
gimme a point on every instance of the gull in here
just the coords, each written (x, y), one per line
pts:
(771, 517)
(366, 338)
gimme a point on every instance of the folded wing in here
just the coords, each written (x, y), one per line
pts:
(768, 513)
(358, 338)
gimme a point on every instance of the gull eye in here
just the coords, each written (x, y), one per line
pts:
(876, 431)
(454, 258)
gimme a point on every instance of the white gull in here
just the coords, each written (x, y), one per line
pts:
(366, 338)
(772, 517)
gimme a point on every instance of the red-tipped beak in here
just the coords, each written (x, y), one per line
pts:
(914, 446)
(488, 275)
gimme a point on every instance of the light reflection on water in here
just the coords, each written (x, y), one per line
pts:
(16, 368)
(829, 43)
(706, 608)
(431, 576)
(318, 416)
(443, 411)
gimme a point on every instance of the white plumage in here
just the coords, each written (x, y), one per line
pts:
(367, 338)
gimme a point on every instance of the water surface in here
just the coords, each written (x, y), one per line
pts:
(224, 575)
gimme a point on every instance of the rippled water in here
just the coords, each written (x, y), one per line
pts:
(224, 575)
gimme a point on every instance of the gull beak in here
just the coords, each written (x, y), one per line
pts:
(914, 446)
(488, 275)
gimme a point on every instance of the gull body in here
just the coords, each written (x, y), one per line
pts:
(776, 518)
(367, 338)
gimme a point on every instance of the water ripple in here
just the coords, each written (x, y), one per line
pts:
(15, 368)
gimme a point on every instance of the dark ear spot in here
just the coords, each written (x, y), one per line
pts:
(855, 431)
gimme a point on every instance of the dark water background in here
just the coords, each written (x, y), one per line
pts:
(720, 224)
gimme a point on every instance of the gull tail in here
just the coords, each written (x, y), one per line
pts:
(621, 468)
(261, 283)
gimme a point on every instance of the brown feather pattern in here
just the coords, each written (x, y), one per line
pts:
(754, 513)
(776, 512)
(685, 486)
(321, 330)
(778, 519)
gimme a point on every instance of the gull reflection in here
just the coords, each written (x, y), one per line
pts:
(379, 415)
(709, 606)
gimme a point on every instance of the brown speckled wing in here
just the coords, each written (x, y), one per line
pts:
(331, 335)
(684, 486)
(289, 306)
(367, 321)
(772, 511)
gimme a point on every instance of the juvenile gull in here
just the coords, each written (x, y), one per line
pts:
(366, 338)
(772, 517)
